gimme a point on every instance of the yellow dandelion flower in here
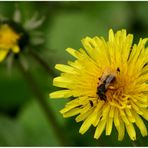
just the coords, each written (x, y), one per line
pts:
(108, 84)
(8, 41)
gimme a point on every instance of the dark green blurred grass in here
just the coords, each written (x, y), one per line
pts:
(65, 25)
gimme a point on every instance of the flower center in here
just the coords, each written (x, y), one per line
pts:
(111, 89)
(117, 98)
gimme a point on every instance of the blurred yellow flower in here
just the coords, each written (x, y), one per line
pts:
(16, 34)
(8, 41)
(108, 85)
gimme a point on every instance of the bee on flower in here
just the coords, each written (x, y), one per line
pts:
(108, 84)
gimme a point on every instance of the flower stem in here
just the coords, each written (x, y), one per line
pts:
(42, 62)
(44, 104)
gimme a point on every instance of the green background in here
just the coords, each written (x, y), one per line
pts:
(22, 120)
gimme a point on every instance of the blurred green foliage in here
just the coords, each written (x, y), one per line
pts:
(22, 121)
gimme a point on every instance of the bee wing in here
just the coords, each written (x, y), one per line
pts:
(109, 79)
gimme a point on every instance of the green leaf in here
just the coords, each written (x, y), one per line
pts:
(37, 129)
(11, 132)
(13, 90)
